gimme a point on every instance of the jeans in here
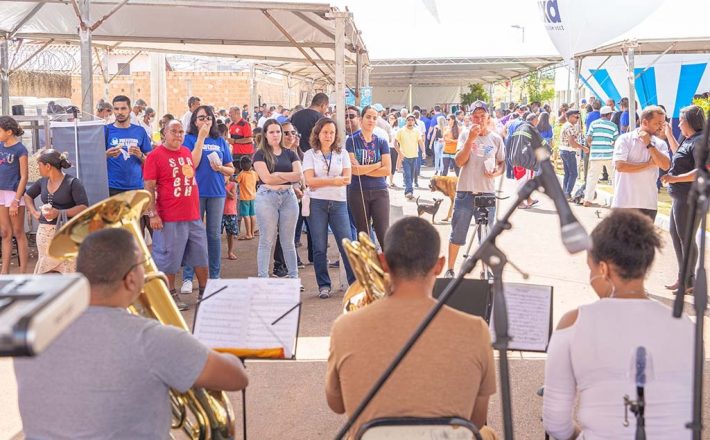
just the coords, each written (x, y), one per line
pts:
(446, 162)
(418, 167)
(680, 215)
(438, 162)
(569, 162)
(276, 212)
(214, 207)
(331, 213)
(409, 166)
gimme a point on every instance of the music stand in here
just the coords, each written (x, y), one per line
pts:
(281, 312)
(472, 296)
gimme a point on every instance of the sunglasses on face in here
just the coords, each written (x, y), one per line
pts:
(290, 133)
(350, 116)
(204, 118)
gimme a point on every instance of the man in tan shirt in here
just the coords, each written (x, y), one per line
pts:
(449, 371)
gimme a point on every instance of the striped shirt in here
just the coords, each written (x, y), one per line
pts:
(603, 133)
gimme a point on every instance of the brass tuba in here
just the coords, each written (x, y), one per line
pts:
(199, 413)
(373, 282)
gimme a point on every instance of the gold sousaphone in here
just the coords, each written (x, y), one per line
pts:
(373, 282)
(200, 413)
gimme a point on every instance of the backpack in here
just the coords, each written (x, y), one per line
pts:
(523, 143)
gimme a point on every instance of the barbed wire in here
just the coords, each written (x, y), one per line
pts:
(55, 58)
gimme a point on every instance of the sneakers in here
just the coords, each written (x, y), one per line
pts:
(324, 293)
(186, 288)
(280, 274)
(449, 274)
(180, 305)
(409, 196)
(300, 264)
(334, 264)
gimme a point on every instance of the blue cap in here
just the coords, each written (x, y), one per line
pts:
(479, 104)
(378, 107)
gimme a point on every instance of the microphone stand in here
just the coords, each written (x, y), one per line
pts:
(699, 203)
(496, 260)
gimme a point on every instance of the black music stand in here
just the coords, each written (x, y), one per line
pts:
(472, 296)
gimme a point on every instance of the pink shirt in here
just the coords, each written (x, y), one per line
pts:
(230, 205)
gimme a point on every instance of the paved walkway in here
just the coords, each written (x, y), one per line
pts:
(286, 398)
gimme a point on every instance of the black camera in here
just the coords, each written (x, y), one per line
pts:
(484, 201)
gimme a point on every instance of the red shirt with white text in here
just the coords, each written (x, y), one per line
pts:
(177, 197)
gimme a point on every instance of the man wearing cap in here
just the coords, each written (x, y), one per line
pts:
(138, 107)
(601, 135)
(382, 123)
(637, 157)
(481, 159)
(569, 146)
(410, 142)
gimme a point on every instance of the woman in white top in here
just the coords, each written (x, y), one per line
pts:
(327, 169)
(592, 353)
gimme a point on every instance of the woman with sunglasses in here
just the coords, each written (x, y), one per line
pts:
(276, 205)
(214, 161)
(292, 142)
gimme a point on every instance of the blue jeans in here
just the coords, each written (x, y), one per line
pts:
(214, 207)
(438, 159)
(409, 165)
(569, 162)
(276, 212)
(323, 214)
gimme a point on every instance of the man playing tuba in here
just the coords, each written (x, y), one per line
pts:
(108, 374)
(449, 371)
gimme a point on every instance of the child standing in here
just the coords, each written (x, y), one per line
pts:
(229, 216)
(247, 194)
(14, 172)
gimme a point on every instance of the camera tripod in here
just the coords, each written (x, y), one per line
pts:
(480, 214)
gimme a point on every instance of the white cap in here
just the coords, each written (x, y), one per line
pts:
(606, 110)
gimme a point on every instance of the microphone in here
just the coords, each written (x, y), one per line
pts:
(640, 399)
(574, 237)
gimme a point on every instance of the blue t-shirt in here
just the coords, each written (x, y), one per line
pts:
(10, 165)
(591, 117)
(367, 154)
(125, 171)
(210, 182)
(281, 119)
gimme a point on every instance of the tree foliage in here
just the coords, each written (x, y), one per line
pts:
(539, 87)
(475, 92)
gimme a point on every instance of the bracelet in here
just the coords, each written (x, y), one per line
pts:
(17, 200)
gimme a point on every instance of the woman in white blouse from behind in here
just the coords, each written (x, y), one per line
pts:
(591, 357)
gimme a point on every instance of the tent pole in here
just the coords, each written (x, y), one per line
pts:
(5, 75)
(340, 18)
(158, 84)
(252, 89)
(358, 76)
(87, 68)
(577, 69)
(410, 98)
(632, 89)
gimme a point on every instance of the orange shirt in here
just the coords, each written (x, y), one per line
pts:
(247, 185)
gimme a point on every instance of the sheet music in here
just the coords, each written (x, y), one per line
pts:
(529, 316)
(241, 316)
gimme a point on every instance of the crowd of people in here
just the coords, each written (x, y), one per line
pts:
(273, 172)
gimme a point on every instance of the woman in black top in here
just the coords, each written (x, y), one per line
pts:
(679, 178)
(60, 194)
(276, 204)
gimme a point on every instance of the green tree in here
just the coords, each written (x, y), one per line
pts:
(539, 87)
(475, 93)
(703, 103)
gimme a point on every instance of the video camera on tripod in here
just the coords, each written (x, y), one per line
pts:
(482, 203)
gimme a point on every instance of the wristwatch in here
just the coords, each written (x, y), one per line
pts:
(150, 214)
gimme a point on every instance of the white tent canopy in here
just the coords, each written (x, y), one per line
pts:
(313, 39)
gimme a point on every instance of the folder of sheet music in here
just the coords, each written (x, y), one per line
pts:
(251, 318)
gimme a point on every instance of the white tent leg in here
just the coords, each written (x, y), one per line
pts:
(252, 89)
(158, 84)
(632, 90)
(5, 75)
(340, 18)
(87, 68)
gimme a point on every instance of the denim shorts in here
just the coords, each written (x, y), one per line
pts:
(463, 213)
(246, 208)
(179, 244)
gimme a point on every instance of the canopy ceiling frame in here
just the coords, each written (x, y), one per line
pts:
(631, 47)
(123, 25)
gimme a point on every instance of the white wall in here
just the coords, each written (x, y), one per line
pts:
(421, 96)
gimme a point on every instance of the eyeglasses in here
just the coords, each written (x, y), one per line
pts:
(350, 116)
(133, 266)
(204, 118)
(290, 133)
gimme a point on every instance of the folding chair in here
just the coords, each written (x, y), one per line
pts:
(416, 428)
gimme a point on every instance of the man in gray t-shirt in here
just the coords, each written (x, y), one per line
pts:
(107, 375)
(481, 159)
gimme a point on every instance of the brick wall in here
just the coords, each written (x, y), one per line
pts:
(220, 89)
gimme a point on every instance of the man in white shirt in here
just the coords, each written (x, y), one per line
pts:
(138, 108)
(192, 103)
(266, 116)
(638, 155)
